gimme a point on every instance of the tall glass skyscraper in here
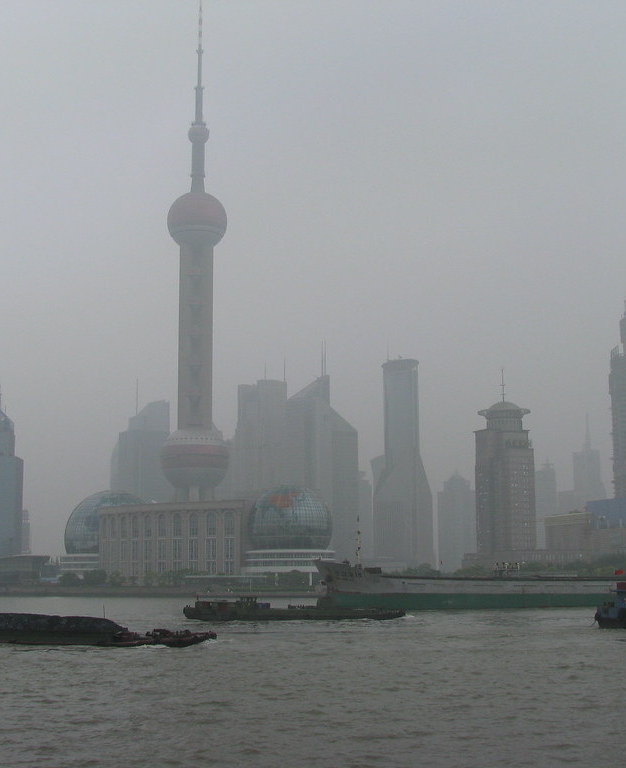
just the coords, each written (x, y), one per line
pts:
(11, 484)
(403, 506)
(617, 390)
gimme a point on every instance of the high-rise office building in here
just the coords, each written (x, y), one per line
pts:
(11, 485)
(300, 441)
(323, 454)
(135, 462)
(258, 453)
(195, 457)
(546, 500)
(588, 485)
(456, 522)
(617, 390)
(505, 485)
(403, 509)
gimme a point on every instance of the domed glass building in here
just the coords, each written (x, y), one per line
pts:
(289, 517)
(288, 529)
(81, 531)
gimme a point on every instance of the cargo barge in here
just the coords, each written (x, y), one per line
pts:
(48, 630)
(249, 608)
(356, 586)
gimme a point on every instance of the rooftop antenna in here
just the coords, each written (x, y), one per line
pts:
(502, 382)
(324, 358)
(136, 396)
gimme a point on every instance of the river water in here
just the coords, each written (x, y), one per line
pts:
(435, 689)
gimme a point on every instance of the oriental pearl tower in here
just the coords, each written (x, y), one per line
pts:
(194, 457)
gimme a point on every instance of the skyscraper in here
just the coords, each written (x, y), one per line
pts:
(505, 484)
(195, 457)
(456, 522)
(323, 454)
(617, 390)
(546, 500)
(403, 508)
(135, 464)
(588, 485)
(11, 484)
(299, 441)
(258, 455)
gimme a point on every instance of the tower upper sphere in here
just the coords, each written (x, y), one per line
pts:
(197, 218)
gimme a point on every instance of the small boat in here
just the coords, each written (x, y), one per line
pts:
(249, 608)
(611, 614)
(180, 639)
(44, 629)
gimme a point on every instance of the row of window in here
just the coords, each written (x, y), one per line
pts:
(162, 545)
(166, 524)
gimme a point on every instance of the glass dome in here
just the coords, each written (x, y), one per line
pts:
(81, 531)
(289, 518)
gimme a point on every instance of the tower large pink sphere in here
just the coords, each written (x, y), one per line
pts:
(197, 218)
(194, 458)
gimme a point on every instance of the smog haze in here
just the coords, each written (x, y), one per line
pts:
(437, 180)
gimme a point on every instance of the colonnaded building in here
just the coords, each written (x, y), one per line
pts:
(286, 529)
(201, 537)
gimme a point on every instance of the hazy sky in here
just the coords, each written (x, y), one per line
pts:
(432, 179)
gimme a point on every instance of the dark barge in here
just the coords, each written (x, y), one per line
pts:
(249, 608)
(44, 629)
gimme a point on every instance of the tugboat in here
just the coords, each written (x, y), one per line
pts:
(249, 608)
(612, 613)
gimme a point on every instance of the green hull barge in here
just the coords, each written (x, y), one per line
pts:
(355, 586)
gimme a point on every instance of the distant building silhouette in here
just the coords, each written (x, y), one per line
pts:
(11, 485)
(300, 441)
(617, 390)
(258, 453)
(456, 521)
(546, 499)
(586, 535)
(403, 510)
(135, 462)
(505, 485)
(323, 454)
(588, 485)
(366, 520)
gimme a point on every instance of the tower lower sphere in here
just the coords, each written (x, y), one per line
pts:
(195, 460)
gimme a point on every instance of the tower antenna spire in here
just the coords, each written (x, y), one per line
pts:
(199, 51)
(198, 133)
(502, 382)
